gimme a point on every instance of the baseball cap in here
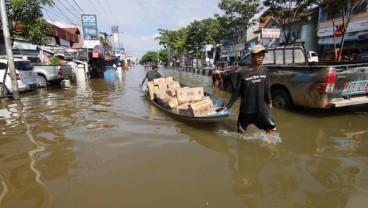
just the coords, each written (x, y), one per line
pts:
(257, 49)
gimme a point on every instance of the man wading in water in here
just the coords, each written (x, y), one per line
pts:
(254, 89)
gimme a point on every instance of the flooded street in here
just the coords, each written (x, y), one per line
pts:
(103, 144)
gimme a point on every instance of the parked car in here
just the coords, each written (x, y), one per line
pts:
(312, 57)
(49, 73)
(348, 54)
(25, 76)
(296, 82)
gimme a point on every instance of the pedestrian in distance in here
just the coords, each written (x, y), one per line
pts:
(217, 79)
(254, 89)
(150, 75)
(245, 50)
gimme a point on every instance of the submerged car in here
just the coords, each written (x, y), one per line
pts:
(25, 76)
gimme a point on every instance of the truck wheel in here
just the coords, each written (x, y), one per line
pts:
(41, 81)
(3, 92)
(281, 99)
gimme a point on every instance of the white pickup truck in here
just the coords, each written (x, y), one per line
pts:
(49, 73)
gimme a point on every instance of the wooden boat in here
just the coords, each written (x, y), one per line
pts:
(217, 102)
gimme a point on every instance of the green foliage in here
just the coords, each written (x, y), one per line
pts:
(54, 60)
(342, 9)
(28, 15)
(150, 56)
(290, 14)
(238, 18)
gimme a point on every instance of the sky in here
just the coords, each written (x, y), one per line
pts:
(138, 20)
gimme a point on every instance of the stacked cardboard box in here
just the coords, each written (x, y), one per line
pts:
(184, 101)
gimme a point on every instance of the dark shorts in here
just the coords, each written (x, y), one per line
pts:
(262, 120)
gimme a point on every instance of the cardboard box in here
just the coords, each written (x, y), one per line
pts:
(152, 90)
(173, 102)
(162, 86)
(171, 92)
(212, 111)
(202, 107)
(189, 94)
(158, 81)
(160, 95)
(173, 85)
(181, 108)
(169, 80)
(150, 84)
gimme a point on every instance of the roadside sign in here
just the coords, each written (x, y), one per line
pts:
(270, 33)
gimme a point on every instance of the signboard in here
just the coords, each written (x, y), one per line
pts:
(89, 25)
(339, 30)
(271, 33)
(357, 26)
(95, 54)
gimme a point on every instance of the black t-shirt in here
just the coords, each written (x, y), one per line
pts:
(254, 89)
(152, 75)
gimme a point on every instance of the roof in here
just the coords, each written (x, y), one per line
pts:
(73, 30)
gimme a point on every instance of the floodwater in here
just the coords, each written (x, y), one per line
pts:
(103, 144)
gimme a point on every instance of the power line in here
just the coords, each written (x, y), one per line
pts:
(62, 17)
(97, 11)
(111, 13)
(66, 9)
(78, 6)
(71, 6)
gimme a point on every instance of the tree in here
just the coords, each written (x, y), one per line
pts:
(150, 56)
(237, 19)
(344, 9)
(174, 41)
(290, 14)
(195, 39)
(27, 16)
(214, 33)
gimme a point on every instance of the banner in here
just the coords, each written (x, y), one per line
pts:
(89, 25)
(271, 33)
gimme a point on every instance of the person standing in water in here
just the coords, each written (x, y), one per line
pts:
(254, 89)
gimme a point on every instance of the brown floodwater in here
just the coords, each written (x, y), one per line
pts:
(103, 144)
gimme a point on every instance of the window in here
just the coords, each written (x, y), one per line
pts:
(23, 65)
(3, 66)
(288, 56)
(279, 57)
(299, 56)
(269, 58)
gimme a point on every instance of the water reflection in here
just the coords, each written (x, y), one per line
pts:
(102, 143)
(268, 175)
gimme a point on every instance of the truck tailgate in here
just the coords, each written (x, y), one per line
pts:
(351, 86)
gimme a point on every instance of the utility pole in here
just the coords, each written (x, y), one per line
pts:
(9, 51)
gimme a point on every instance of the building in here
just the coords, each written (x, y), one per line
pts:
(330, 24)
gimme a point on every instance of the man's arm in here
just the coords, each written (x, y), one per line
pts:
(144, 78)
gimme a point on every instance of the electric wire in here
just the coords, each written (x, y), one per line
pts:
(78, 6)
(66, 9)
(111, 13)
(62, 17)
(97, 11)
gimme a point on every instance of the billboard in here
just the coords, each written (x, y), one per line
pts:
(89, 25)
(270, 33)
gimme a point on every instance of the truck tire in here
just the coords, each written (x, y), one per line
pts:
(3, 92)
(41, 81)
(281, 99)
